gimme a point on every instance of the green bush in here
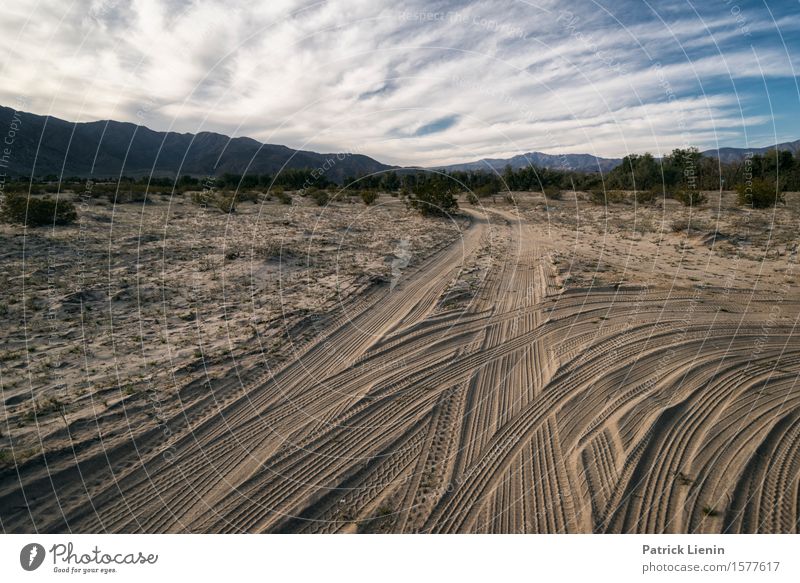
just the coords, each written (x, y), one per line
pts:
(472, 198)
(283, 197)
(761, 194)
(369, 196)
(690, 197)
(36, 211)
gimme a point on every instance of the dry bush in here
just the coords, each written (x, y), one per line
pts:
(226, 203)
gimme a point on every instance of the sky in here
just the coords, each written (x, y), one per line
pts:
(417, 83)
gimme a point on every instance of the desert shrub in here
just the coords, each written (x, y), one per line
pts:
(248, 196)
(203, 198)
(472, 198)
(761, 194)
(551, 193)
(33, 211)
(509, 198)
(486, 190)
(126, 193)
(646, 196)
(677, 226)
(616, 196)
(607, 197)
(283, 197)
(693, 225)
(320, 197)
(226, 203)
(369, 196)
(597, 197)
(434, 198)
(690, 197)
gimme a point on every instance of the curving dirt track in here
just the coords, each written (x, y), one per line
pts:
(476, 395)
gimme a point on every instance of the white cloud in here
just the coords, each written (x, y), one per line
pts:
(367, 75)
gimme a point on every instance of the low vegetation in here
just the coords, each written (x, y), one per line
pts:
(760, 193)
(369, 196)
(35, 211)
(690, 198)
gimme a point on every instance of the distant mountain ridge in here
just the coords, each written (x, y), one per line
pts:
(739, 154)
(112, 148)
(577, 162)
(590, 163)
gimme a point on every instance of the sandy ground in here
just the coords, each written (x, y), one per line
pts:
(540, 366)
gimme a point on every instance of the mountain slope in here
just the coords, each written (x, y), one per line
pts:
(112, 148)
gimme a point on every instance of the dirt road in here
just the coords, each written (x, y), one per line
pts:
(475, 395)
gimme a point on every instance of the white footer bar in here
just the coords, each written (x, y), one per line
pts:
(409, 558)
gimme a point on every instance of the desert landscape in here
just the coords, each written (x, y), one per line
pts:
(400, 268)
(530, 364)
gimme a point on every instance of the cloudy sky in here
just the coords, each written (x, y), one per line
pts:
(417, 82)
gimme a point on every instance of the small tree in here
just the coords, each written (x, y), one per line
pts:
(434, 198)
(760, 194)
(391, 182)
(690, 197)
(32, 211)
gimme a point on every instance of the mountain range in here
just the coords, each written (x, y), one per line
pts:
(580, 162)
(48, 145)
(738, 154)
(44, 145)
